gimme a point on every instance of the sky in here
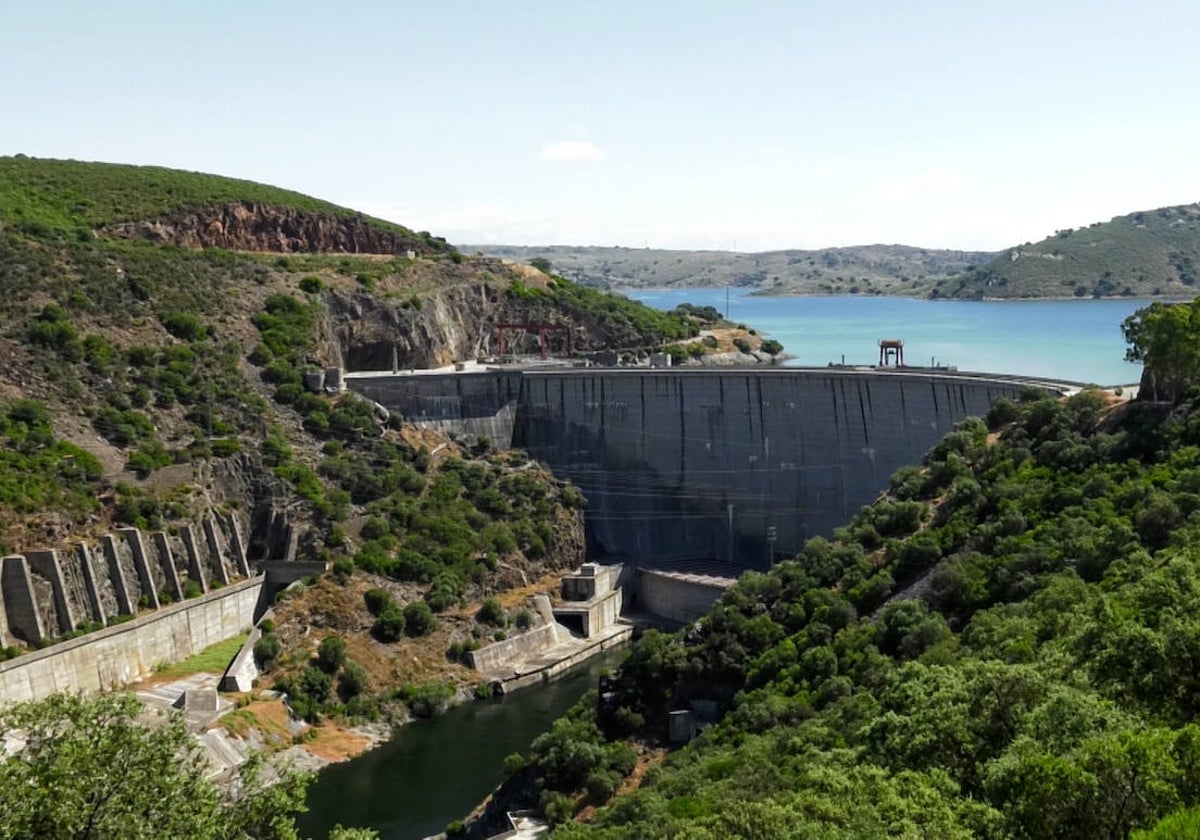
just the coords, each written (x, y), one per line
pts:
(736, 126)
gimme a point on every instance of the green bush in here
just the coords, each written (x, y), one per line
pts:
(419, 619)
(267, 650)
(389, 626)
(353, 681)
(491, 612)
(378, 601)
(331, 654)
(185, 326)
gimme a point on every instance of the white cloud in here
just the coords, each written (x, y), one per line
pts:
(938, 180)
(572, 151)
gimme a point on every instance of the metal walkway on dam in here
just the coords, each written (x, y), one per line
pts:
(741, 465)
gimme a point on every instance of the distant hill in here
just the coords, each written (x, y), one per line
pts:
(1152, 253)
(867, 269)
(1149, 253)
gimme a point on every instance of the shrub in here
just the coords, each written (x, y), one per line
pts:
(185, 326)
(419, 619)
(311, 285)
(354, 680)
(524, 619)
(389, 626)
(378, 601)
(343, 568)
(331, 654)
(267, 650)
(491, 612)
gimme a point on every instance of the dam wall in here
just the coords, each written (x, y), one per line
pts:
(737, 465)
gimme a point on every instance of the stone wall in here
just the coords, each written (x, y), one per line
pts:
(115, 656)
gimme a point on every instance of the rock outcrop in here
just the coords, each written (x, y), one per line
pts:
(455, 323)
(249, 226)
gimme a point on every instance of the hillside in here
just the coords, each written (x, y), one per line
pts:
(150, 378)
(1151, 253)
(73, 199)
(1004, 645)
(869, 269)
(1154, 253)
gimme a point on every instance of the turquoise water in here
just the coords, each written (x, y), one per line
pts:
(1070, 339)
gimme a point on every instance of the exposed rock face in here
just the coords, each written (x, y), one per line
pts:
(457, 323)
(247, 226)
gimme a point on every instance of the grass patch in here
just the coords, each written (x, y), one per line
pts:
(214, 659)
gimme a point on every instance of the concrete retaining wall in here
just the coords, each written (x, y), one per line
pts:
(500, 656)
(116, 656)
(673, 598)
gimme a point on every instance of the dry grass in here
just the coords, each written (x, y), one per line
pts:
(269, 718)
(333, 743)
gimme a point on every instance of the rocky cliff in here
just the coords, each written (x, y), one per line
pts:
(459, 321)
(251, 226)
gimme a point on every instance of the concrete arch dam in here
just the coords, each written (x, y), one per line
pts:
(740, 466)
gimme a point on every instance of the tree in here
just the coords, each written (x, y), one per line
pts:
(99, 773)
(1165, 337)
(541, 264)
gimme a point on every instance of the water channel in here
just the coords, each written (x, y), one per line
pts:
(435, 771)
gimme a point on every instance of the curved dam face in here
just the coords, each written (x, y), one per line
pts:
(737, 465)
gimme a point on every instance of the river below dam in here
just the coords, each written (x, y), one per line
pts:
(435, 771)
(1078, 340)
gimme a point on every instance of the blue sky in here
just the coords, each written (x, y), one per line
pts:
(749, 125)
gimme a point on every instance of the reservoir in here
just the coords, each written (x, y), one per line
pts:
(435, 771)
(1078, 340)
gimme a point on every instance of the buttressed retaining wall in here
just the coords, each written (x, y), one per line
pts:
(118, 655)
(706, 462)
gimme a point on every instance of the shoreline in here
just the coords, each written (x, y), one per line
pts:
(749, 291)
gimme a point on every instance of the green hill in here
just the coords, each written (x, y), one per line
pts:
(1150, 253)
(43, 196)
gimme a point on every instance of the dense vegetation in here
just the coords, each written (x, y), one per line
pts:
(90, 769)
(654, 324)
(1005, 646)
(71, 199)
